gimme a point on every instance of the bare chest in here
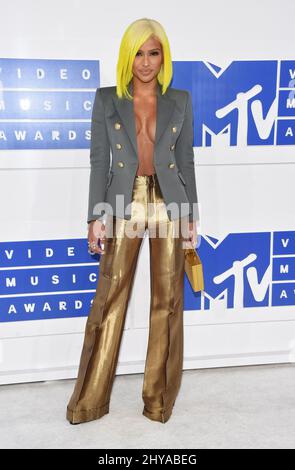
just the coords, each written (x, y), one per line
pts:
(145, 118)
(145, 112)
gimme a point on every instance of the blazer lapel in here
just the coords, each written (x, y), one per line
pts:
(165, 108)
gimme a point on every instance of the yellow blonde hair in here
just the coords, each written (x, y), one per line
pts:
(135, 35)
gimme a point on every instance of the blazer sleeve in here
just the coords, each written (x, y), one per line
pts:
(184, 155)
(99, 159)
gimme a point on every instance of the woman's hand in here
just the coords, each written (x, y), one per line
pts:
(192, 233)
(96, 237)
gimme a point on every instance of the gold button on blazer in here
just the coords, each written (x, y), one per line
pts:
(113, 131)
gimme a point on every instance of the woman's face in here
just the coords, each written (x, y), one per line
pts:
(148, 60)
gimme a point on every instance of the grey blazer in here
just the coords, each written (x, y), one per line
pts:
(113, 131)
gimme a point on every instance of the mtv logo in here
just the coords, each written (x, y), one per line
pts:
(237, 272)
(245, 270)
(241, 104)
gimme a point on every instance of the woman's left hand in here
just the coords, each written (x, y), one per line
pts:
(193, 233)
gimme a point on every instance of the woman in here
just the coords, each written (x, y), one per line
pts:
(148, 128)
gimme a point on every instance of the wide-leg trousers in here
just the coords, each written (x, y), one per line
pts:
(104, 327)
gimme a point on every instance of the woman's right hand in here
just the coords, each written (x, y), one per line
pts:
(96, 237)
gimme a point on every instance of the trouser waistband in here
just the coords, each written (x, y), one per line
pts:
(149, 179)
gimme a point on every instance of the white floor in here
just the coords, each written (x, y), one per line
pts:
(231, 407)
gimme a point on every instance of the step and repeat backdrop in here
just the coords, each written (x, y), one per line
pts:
(244, 143)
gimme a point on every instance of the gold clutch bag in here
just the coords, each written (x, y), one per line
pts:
(194, 269)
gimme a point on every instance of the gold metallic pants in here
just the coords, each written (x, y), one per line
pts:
(164, 360)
